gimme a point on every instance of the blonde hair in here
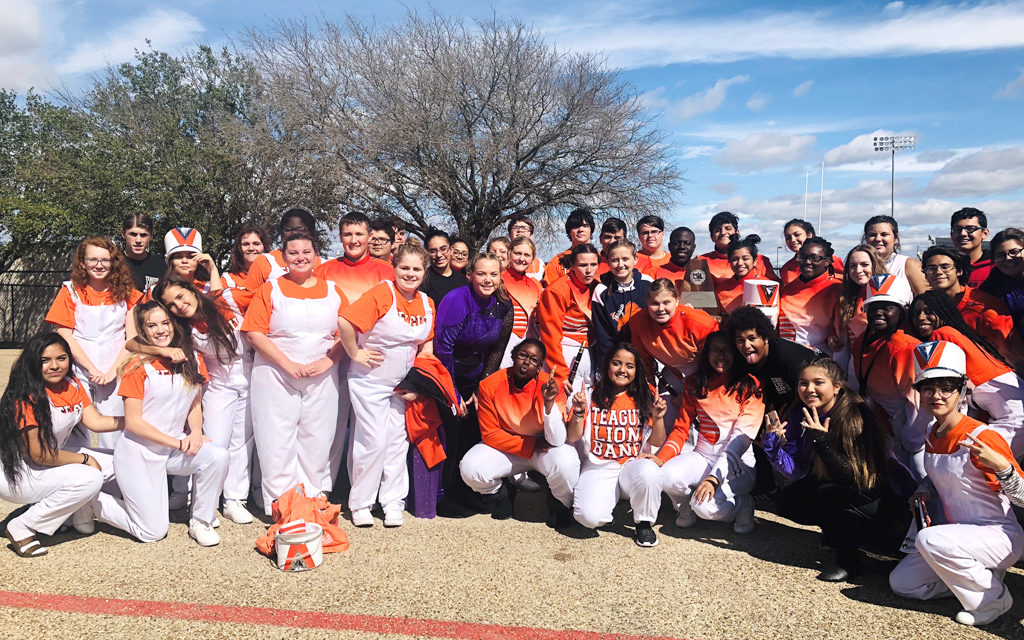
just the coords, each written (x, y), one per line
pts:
(500, 292)
(409, 249)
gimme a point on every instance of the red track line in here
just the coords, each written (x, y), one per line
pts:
(295, 619)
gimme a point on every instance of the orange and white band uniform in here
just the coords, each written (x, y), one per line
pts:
(718, 263)
(226, 417)
(97, 323)
(142, 466)
(969, 556)
(54, 493)
(524, 291)
(268, 266)
(294, 421)
(511, 422)
(998, 390)
(726, 426)
(807, 311)
(612, 440)
(536, 270)
(564, 318)
(854, 328)
(388, 323)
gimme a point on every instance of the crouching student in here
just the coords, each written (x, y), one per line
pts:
(521, 427)
(161, 397)
(971, 470)
(841, 476)
(614, 424)
(714, 480)
(39, 409)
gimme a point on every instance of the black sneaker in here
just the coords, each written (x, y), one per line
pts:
(645, 536)
(504, 501)
(559, 515)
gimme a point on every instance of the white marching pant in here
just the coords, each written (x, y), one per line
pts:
(142, 476)
(600, 488)
(108, 403)
(682, 473)
(294, 424)
(376, 459)
(54, 493)
(342, 431)
(484, 467)
(959, 559)
(1003, 398)
(226, 422)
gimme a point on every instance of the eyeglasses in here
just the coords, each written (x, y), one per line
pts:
(942, 391)
(933, 269)
(1003, 256)
(92, 262)
(810, 259)
(439, 250)
(380, 241)
(650, 232)
(534, 360)
(521, 227)
(293, 229)
(968, 229)
(460, 254)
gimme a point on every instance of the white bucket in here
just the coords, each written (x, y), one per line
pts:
(299, 546)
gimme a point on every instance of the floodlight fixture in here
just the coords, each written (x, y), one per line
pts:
(893, 144)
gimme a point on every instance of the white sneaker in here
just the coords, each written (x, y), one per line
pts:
(177, 501)
(362, 518)
(686, 518)
(744, 522)
(393, 518)
(235, 511)
(989, 612)
(203, 533)
(84, 520)
(216, 522)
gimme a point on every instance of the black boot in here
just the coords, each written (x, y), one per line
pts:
(849, 564)
(559, 515)
(503, 502)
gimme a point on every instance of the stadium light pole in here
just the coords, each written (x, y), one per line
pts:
(893, 144)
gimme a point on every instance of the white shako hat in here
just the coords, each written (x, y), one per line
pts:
(939, 359)
(182, 239)
(887, 287)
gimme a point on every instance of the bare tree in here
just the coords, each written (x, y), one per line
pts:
(440, 121)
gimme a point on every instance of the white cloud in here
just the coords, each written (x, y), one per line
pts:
(803, 89)
(707, 100)
(697, 151)
(1011, 90)
(21, 36)
(758, 101)
(164, 28)
(981, 173)
(819, 34)
(766, 150)
(859, 149)
(893, 8)
(654, 99)
(724, 188)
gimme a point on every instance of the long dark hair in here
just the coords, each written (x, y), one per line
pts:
(225, 344)
(182, 339)
(943, 308)
(25, 391)
(638, 390)
(237, 263)
(739, 383)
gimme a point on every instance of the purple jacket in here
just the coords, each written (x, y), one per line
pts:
(468, 332)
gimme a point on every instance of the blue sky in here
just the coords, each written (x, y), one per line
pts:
(754, 96)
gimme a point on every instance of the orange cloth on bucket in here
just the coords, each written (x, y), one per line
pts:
(294, 505)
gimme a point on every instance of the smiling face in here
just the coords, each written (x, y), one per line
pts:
(409, 274)
(816, 389)
(1009, 257)
(55, 364)
(184, 264)
(621, 262)
(580, 235)
(751, 345)
(355, 238)
(883, 316)
(527, 362)
(812, 261)
(795, 236)
(742, 262)
(968, 234)
(157, 327)
(180, 301)
(858, 268)
(881, 236)
(651, 238)
(719, 354)
(459, 255)
(721, 236)
(585, 267)
(380, 245)
(251, 246)
(440, 252)
(924, 320)
(136, 241)
(97, 263)
(941, 273)
(681, 245)
(521, 258)
(519, 230)
(485, 277)
(501, 251)
(662, 306)
(622, 369)
(299, 256)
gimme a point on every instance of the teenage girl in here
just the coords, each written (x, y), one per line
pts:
(851, 320)
(40, 406)
(250, 243)
(395, 324)
(743, 260)
(714, 480)
(183, 250)
(795, 233)
(291, 322)
(92, 312)
(809, 303)
(500, 247)
(162, 398)
(620, 294)
(523, 290)
(614, 425)
(883, 233)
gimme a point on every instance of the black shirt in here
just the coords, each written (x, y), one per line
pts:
(147, 271)
(779, 371)
(437, 286)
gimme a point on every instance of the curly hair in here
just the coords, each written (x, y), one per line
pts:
(237, 263)
(119, 280)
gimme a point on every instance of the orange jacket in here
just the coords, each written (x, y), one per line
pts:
(422, 415)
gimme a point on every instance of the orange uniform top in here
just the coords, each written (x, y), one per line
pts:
(807, 310)
(981, 366)
(554, 270)
(643, 265)
(721, 411)
(987, 315)
(512, 419)
(525, 293)
(886, 370)
(67, 398)
(614, 434)
(791, 270)
(564, 312)
(676, 344)
(133, 382)
(375, 304)
(257, 318)
(62, 311)
(658, 262)
(729, 291)
(355, 278)
(949, 442)
(720, 269)
(261, 268)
